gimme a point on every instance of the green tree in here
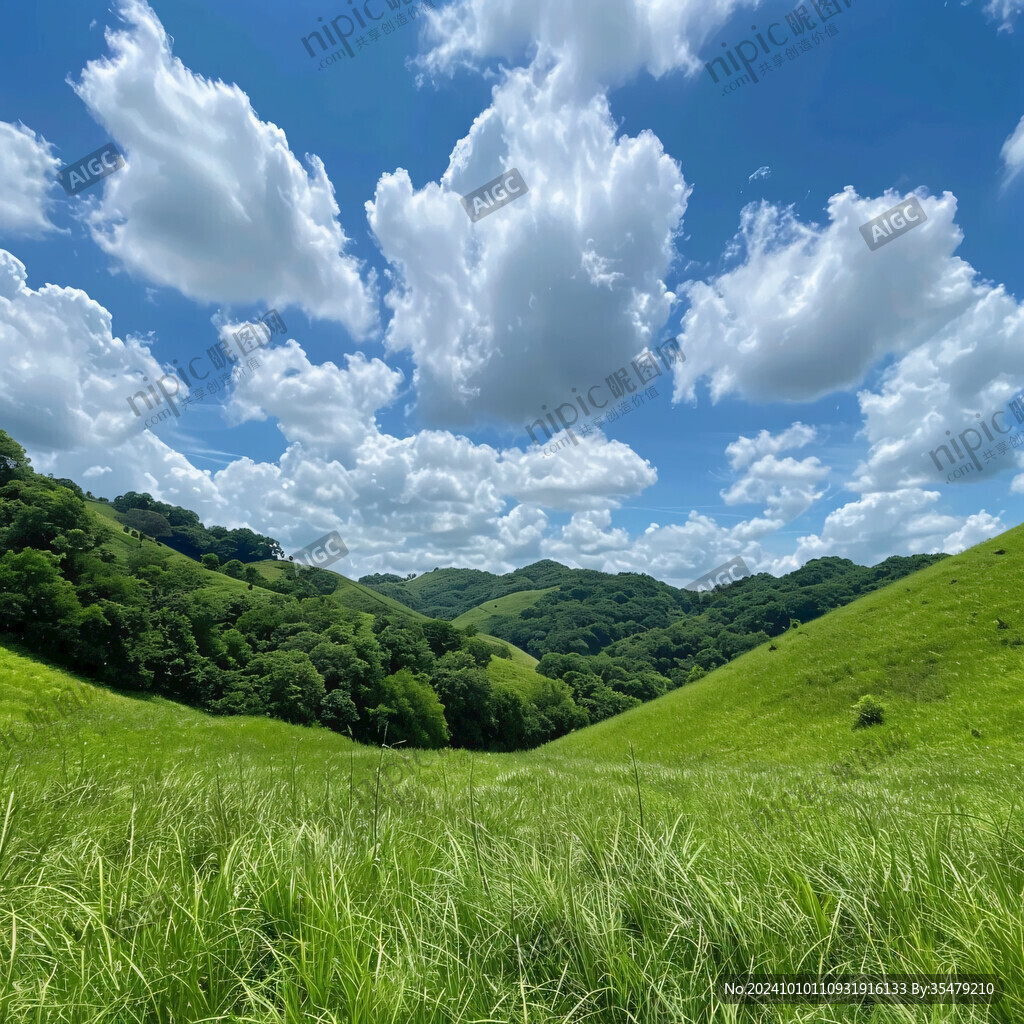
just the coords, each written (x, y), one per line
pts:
(442, 637)
(465, 692)
(337, 711)
(408, 710)
(36, 601)
(13, 460)
(148, 522)
(291, 687)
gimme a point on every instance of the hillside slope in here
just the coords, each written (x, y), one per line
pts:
(511, 604)
(944, 648)
(165, 865)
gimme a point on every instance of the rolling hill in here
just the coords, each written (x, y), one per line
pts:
(511, 604)
(619, 873)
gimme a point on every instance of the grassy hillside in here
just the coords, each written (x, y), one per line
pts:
(518, 677)
(349, 594)
(930, 646)
(512, 604)
(163, 866)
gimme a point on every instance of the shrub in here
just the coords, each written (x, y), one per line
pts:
(870, 711)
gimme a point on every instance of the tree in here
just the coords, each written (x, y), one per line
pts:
(405, 648)
(465, 692)
(517, 725)
(291, 687)
(211, 561)
(13, 460)
(442, 636)
(36, 601)
(145, 521)
(337, 711)
(409, 710)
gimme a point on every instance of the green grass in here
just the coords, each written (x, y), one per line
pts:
(518, 677)
(159, 865)
(511, 604)
(519, 656)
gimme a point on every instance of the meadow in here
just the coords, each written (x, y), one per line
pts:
(161, 865)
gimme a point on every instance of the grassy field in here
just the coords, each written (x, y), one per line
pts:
(159, 865)
(511, 604)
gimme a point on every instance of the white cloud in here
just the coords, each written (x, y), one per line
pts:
(321, 405)
(555, 290)
(1006, 11)
(879, 525)
(968, 369)
(761, 172)
(811, 309)
(589, 50)
(1012, 154)
(27, 173)
(66, 378)
(212, 201)
(744, 450)
(786, 486)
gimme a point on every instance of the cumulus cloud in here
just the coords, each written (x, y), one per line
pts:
(27, 173)
(878, 525)
(630, 35)
(212, 202)
(810, 309)
(552, 292)
(786, 486)
(555, 290)
(428, 498)
(744, 450)
(66, 378)
(1012, 154)
(967, 370)
(1005, 11)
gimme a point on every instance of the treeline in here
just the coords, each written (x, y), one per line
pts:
(618, 640)
(151, 621)
(447, 593)
(734, 620)
(156, 623)
(181, 529)
(644, 624)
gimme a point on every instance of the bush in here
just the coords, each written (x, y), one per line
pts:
(870, 711)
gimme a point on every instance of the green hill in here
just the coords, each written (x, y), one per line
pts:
(164, 865)
(930, 646)
(511, 604)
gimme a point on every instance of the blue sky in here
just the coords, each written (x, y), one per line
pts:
(418, 345)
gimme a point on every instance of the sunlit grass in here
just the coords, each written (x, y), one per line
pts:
(159, 866)
(250, 878)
